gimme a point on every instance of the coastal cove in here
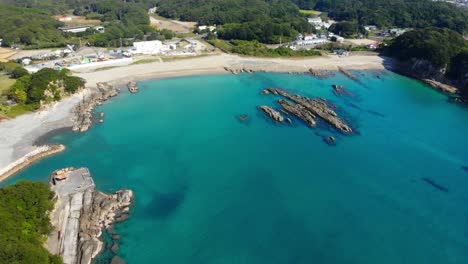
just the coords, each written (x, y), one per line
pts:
(210, 188)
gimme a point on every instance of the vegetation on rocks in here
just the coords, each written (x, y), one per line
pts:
(443, 48)
(44, 86)
(24, 214)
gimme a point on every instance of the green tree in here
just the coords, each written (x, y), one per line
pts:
(18, 72)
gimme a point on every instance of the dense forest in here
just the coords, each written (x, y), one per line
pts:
(24, 214)
(29, 27)
(264, 21)
(441, 47)
(30, 23)
(399, 13)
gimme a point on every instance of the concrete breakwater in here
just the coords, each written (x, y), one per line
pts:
(35, 155)
(83, 112)
(81, 214)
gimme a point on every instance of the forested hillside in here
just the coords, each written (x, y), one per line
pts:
(265, 21)
(29, 26)
(24, 216)
(399, 13)
(444, 49)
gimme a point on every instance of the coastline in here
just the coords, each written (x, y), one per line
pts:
(18, 137)
(33, 156)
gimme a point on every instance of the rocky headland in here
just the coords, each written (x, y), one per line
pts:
(83, 112)
(81, 214)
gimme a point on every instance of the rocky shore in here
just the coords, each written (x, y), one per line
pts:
(81, 214)
(308, 109)
(83, 112)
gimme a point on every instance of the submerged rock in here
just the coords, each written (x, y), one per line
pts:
(272, 113)
(330, 140)
(243, 118)
(117, 260)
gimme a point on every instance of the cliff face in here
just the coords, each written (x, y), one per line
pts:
(430, 74)
(81, 214)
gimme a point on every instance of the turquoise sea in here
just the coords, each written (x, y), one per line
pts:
(211, 189)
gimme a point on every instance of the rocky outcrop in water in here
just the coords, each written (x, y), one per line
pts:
(348, 74)
(317, 107)
(272, 113)
(81, 214)
(83, 113)
(299, 111)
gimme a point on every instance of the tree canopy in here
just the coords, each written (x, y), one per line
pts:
(398, 13)
(24, 214)
(29, 27)
(436, 45)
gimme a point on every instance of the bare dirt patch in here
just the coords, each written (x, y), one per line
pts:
(174, 25)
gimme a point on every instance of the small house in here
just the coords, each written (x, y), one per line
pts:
(370, 28)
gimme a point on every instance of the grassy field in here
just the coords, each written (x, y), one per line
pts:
(310, 12)
(5, 84)
(221, 44)
(144, 61)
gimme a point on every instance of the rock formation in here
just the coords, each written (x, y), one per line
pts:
(348, 74)
(81, 214)
(272, 113)
(82, 120)
(299, 111)
(317, 107)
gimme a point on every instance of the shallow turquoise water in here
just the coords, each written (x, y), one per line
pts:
(210, 189)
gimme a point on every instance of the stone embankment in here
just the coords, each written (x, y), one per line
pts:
(307, 109)
(81, 214)
(83, 113)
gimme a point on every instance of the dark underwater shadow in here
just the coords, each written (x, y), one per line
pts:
(164, 204)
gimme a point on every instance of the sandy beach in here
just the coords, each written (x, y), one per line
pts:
(217, 64)
(18, 135)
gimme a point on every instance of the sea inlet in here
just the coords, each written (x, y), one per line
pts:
(217, 181)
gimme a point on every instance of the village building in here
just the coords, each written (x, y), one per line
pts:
(149, 47)
(370, 28)
(74, 29)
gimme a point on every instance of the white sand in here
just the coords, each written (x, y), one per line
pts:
(216, 63)
(17, 136)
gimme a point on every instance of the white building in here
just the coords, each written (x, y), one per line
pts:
(314, 20)
(370, 28)
(149, 47)
(207, 28)
(318, 23)
(74, 29)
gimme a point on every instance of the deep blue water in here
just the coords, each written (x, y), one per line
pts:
(210, 189)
